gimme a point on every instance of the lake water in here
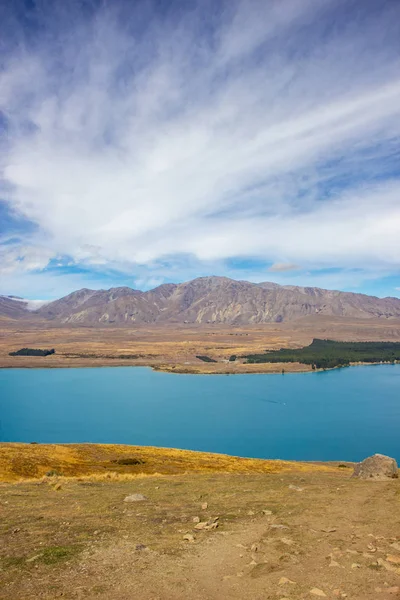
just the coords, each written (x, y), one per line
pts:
(344, 414)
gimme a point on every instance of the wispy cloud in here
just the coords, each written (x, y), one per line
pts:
(135, 135)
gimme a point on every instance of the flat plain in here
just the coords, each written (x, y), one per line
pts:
(175, 347)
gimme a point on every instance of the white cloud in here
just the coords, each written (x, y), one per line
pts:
(260, 137)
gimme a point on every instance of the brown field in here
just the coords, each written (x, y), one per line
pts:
(174, 348)
(276, 530)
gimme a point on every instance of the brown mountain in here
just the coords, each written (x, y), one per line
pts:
(205, 300)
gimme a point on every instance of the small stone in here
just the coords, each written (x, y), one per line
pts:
(57, 487)
(329, 530)
(267, 512)
(196, 519)
(287, 541)
(318, 592)
(189, 538)
(396, 546)
(274, 526)
(204, 506)
(333, 563)
(96, 532)
(254, 548)
(140, 547)
(250, 513)
(356, 566)
(388, 566)
(296, 488)
(393, 559)
(135, 498)
(285, 581)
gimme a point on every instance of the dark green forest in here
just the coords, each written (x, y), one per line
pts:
(32, 352)
(326, 354)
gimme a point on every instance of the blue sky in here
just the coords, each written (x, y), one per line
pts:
(146, 142)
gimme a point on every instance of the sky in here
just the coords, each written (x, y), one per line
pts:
(154, 141)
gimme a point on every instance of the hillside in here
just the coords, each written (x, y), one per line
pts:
(203, 526)
(205, 300)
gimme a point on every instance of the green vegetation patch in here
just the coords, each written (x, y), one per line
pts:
(54, 554)
(32, 352)
(206, 359)
(327, 354)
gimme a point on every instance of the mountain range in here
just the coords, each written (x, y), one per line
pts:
(203, 300)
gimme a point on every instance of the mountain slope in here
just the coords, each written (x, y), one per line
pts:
(213, 300)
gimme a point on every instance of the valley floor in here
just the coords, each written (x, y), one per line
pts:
(175, 348)
(284, 530)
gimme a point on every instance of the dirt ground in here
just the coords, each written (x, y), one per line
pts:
(175, 347)
(297, 533)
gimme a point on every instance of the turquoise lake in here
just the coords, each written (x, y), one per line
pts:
(344, 414)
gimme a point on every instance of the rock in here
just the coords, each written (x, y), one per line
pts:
(318, 592)
(356, 566)
(396, 546)
(267, 512)
(388, 566)
(204, 506)
(254, 548)
(189, 538)
(57, 487)
(211, 524)
(287, 541)
(135, 498)
(296, 488)
(285, 580)
(393, 559)
(196, 519)
(333, 563)
(329, 530)
(140, 547)
(378, 467)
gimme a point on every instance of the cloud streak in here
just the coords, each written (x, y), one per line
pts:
(135, 135)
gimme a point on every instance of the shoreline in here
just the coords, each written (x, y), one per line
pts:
(179, 369)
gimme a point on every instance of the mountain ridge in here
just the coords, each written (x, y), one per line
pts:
(205, 300)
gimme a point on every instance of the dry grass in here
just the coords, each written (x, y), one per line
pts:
(174, 348)
(108, 461)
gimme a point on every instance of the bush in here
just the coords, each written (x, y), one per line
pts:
(32, 352)
(233, 358)
(206, 359)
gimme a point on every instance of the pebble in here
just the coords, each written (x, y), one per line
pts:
(296, 488)
(135, 498)
(284, 581)
(333, 563)
(393, 559)
(196, 519)
(189, 538)
(356, 566)
(267, 512)
(204, 506)
(318, 592)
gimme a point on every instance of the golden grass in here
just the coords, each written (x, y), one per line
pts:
(19, 462)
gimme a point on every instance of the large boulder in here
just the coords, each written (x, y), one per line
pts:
(378, 466)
